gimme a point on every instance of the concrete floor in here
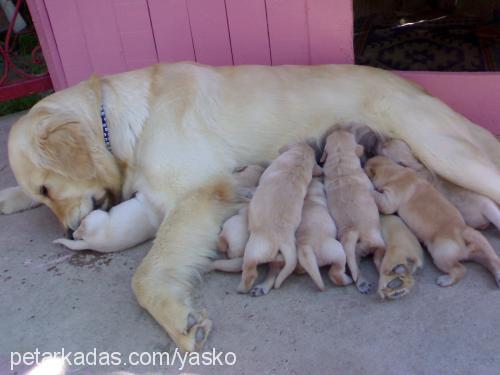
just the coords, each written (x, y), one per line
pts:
(52, 298)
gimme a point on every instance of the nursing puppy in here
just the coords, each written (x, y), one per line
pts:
(234, 234)
(275, 211)
(351, 204)
(117, 229)
(403, 256)
(316, 243)
(434, 220)
(477, 210)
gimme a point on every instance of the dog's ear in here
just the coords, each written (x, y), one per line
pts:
(323, 156)
(360, 150)
(369, 169)
(63, 147)
(317, 171)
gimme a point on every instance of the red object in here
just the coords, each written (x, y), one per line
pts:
(24, 83)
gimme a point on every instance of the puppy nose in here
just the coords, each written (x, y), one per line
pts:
(69, 233)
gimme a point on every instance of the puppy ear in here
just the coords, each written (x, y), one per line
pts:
(323, 157)
(360, 150)
(63, 147)
(317, 171)
(285, 148)
(369, 170)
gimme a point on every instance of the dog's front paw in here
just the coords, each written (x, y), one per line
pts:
(198, 327)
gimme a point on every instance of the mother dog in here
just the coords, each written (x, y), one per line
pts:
(177, 131)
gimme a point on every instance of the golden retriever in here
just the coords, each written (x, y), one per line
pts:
(316, 239)
(477, 210)
(403, 256)
(351, 204)
(176, 132)
(275, 211)
(434, 220)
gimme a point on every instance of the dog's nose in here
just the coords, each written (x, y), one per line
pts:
(69, 233)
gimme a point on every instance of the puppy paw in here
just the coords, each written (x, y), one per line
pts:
(445, 281)
(364, 286)
(259, 290)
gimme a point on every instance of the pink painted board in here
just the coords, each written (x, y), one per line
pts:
(330, 31)
(171, 29)
(47, 41)
(474, 95)
(134, 26)
(288, 31)
(210, 32)
(70, 41)
(248, 31)
(102, 36)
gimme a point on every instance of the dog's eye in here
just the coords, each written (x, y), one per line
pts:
(44, 191)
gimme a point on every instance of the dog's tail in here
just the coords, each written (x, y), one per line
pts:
(222, 244)
(492, 213)
(227, 265)
(349, 241)
(482, 252)
(308, 261)
(289, 253)
(73, 244)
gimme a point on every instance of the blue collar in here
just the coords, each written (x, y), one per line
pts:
(105, 129)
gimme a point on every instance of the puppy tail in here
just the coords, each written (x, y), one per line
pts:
(289, 253)
(482, 252)
(492, 213)
(227, 265)
(308, 261)
(222, 244)
(349, 241)
(73, 244)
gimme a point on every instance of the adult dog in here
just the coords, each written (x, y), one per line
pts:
(177, 131)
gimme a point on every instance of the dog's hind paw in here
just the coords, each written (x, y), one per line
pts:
(259, 290)
(445, 281)
(364, 286)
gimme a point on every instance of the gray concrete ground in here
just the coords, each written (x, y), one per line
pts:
(52, 298)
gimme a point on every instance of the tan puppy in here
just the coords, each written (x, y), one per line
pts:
(234, 234)
(434, 220)
(275, 212)
(351, 204)
(477, 210)
(316, 243)
(403, 256)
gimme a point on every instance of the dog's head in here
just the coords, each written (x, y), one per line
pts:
(381, 168)
(341, 142)
(400, 152)
(58, 157)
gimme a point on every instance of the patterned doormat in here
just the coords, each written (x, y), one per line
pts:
(441, 47)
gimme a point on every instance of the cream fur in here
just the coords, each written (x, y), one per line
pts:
(176, 127)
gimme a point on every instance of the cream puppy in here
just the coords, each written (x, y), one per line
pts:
(234, 234)
(433, 219)
(477, 210)
(351, 204)
(316, 243)
(403, 256)
(275, 211)
(117, 229)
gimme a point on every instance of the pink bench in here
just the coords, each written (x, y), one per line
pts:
(80, 37)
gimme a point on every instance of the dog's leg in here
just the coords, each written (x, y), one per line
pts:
(309, 263)
(446, 256)
(333, 253)
(289, 252)
(14, 199)
(386, 201)
(72, 244)
(481, 251)
(257, 251)
(491, 211)
(163, 281)
(227, 265)
(349, 241)
(265, 287)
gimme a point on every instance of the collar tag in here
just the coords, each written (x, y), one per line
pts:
(105, 129)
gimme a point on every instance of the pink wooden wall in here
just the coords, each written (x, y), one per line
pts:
(80, 37)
